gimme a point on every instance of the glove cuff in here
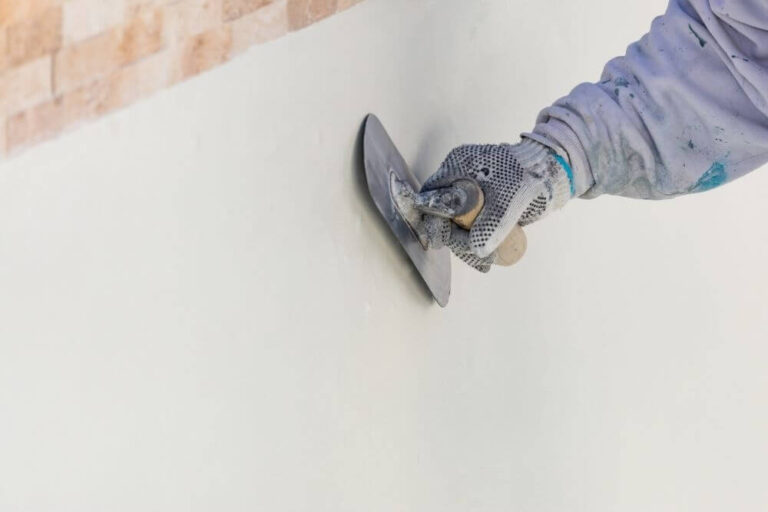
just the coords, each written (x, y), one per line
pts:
(563, 140)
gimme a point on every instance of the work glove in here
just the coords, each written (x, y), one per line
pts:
(522, 183)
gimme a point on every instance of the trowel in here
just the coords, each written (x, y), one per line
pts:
(394, 190)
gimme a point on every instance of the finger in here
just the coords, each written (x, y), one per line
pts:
(459, 245)
(500, 215)
(456, 166)
(434, 232)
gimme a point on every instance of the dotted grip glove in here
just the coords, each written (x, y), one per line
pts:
(522, 183)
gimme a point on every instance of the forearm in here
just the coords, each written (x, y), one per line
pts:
(684, 111)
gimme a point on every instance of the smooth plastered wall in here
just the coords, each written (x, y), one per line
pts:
(201, 309)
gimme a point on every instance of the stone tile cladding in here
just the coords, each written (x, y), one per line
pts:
(63, 62)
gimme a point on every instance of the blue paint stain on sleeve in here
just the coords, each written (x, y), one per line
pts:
(714, 177)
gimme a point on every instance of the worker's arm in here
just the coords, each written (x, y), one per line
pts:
(685, 110)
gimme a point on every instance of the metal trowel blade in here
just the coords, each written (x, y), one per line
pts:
(382, 161)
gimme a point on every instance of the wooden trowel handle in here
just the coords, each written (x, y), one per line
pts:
(512, 248)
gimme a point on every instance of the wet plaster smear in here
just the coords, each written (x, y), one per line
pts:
(202, 311)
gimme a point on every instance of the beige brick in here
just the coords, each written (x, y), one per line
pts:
(48, 119)
(86, 61)
(132, 7)
(142, 35)
(346, 4)
(137, 81)
(26, 85)
(34, 37)
(265, 24)
(100, 55)
(305, 12)
(3, 47)
(236, 8)
(186, 18)
(85, 18)
(122, 87)
(204, 51)
(16, 11)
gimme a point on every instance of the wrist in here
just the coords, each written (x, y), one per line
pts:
(559, 137)
(555, 170)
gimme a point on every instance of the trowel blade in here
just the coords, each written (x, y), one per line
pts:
(382, 159)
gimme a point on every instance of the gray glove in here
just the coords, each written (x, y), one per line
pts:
(522, 183)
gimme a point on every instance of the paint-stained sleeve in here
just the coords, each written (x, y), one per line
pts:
(685, 110)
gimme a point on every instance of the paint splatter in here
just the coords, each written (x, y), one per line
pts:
(691, 144)
(702, 42)
(621, 82)
(713, 178)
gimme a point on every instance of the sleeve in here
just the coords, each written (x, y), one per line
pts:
(684, 111)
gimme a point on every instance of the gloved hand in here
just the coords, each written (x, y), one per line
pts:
(522, 183)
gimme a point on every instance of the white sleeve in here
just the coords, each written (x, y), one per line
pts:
(684, 111)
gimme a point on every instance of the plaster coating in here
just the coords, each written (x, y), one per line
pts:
(201, 309)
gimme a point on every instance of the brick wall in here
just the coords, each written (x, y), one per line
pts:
(63, 62)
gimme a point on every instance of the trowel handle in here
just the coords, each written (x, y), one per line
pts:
(512, 248)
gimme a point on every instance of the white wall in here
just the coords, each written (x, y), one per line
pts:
(202, 311)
